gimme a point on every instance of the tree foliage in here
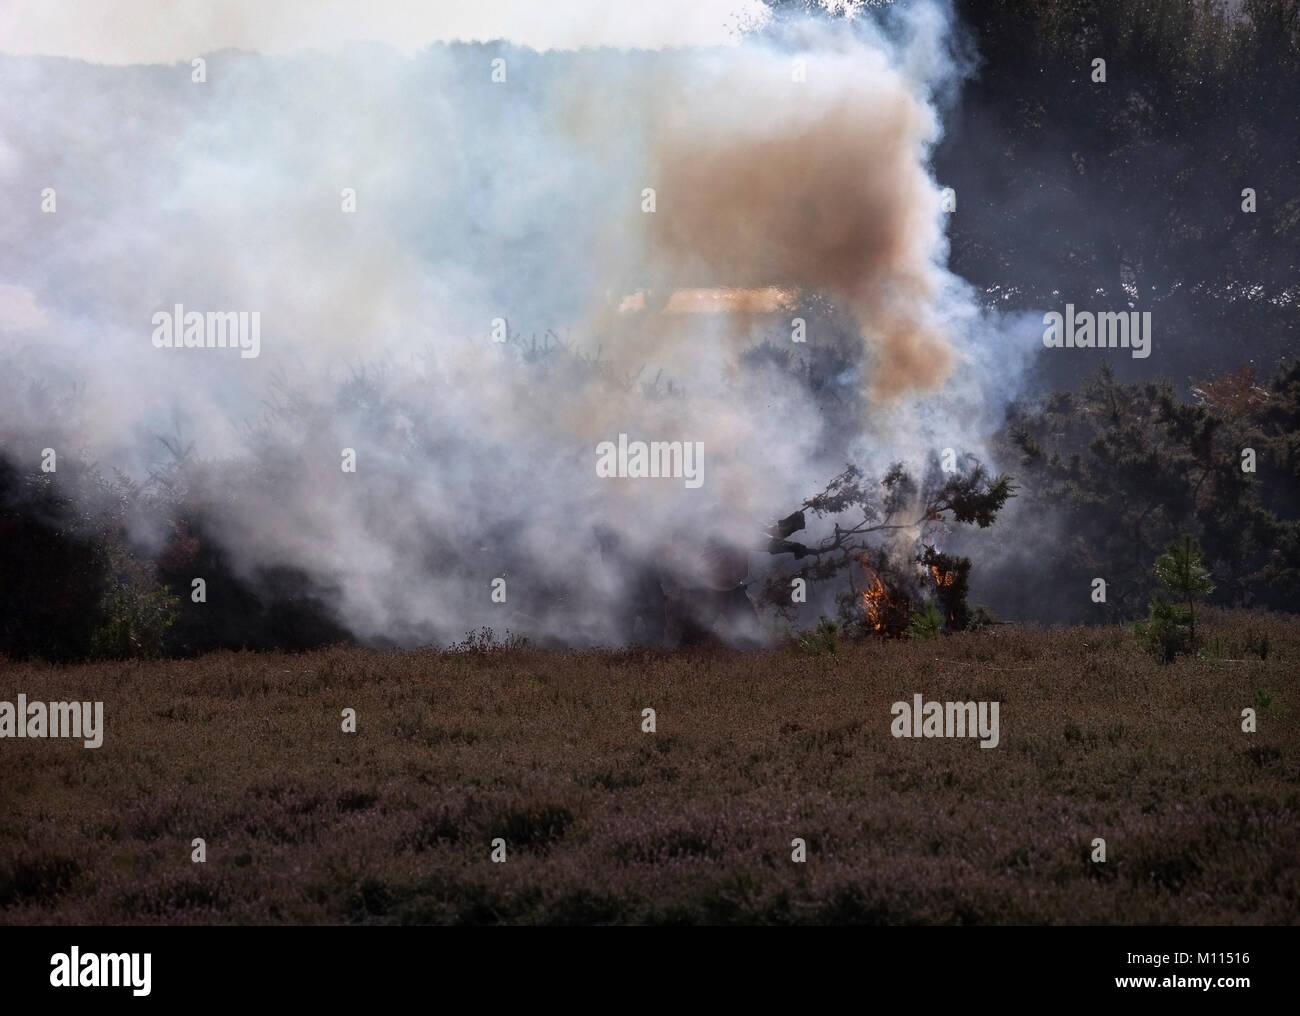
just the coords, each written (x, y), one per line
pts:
(1129, 467)
(880, 543)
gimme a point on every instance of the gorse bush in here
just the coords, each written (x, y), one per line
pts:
(137, 623)
(823, 640)
(136, 610)
(926, 623)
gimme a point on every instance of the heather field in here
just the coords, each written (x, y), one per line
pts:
(693, 823)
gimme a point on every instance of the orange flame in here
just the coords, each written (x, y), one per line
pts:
(942, 579)
(875, 598)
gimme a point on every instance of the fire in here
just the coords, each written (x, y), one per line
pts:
(722, 300)
(875, 598)
(885, 606)
(942, 579)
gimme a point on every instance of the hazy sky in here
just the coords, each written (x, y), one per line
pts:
(165, 31)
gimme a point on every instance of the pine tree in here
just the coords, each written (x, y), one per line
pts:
(1183, 574)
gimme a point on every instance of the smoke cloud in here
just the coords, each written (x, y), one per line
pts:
(790, 180)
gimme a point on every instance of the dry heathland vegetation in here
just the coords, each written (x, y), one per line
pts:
(690, 824)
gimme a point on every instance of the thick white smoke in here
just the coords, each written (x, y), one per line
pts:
(479, 200)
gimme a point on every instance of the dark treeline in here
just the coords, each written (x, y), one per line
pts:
(1111, 473)
(76, 586)
(1131, 194)
(1128, 193)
